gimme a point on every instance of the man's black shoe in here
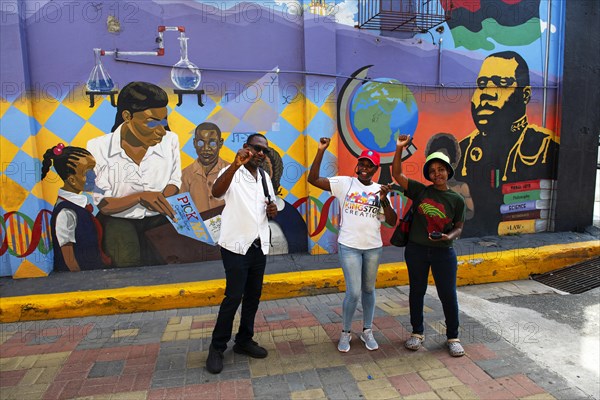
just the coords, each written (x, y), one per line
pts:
(251, 349)
(214, 361)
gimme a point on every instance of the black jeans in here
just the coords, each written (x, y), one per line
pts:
(244, 279)
(443, 265)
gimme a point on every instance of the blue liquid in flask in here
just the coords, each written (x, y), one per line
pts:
(101, 85)
(186, 82)
(185, 75)
(99, 80)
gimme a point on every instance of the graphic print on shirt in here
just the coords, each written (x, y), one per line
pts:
(435, 215)
(362, 204)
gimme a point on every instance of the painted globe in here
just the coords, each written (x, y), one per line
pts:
(380, 110)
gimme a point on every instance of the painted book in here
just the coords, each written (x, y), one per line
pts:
(523, 186)
(534, 214)
(523, 226)
(188, 221)
(519, 197)
(525, 206)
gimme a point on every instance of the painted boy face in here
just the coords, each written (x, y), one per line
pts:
(208, 143)
(148, 126)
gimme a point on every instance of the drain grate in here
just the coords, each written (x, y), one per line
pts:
(575, 279)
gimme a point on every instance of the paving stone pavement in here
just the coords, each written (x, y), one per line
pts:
(161, 355)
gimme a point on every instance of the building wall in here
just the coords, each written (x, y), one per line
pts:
(581, 122)
(295, 73)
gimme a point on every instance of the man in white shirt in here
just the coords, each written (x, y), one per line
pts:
(244, 241)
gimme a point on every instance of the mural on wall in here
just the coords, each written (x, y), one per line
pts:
(326, 78)
(138, 165)
(507, 160)
(481, 24)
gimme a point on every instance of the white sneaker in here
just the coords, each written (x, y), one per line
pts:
(344, 343)
(367, 337)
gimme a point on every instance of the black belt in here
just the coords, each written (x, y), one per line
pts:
(256, 243)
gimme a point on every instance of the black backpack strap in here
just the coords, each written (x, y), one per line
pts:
(267, 195)
(264, 184)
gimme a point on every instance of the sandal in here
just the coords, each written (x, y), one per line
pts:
(414, 342)
(455, 348)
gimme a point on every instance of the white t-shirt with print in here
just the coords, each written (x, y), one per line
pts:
(359, 212)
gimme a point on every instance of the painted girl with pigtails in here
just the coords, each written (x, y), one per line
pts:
(76, 234)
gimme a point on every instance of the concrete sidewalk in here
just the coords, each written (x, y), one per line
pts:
(161, 355)
(106, 292)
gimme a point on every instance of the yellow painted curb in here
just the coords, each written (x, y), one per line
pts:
(478, 268)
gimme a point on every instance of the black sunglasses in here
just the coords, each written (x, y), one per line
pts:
(258, 149)
(498, 81)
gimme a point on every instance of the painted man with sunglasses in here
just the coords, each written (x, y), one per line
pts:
(244, 241)
(505, 147)
(138, 165)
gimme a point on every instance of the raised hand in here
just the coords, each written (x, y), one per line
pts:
(385, 189)
(243, 156)
(403, 140)
(324, 143)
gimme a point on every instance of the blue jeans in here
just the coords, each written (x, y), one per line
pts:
(443, 265)
(360, 272)
(244, 280)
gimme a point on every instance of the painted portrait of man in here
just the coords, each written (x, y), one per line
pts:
(198, 177)
(505, 147)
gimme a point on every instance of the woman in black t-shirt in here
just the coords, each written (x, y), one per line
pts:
(437, 222)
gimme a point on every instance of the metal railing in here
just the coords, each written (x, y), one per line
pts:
(403, 15)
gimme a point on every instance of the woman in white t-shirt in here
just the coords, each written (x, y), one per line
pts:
(359, 238)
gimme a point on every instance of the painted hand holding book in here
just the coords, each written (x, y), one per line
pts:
(188, 221)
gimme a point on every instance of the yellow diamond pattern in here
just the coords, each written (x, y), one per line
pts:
(9, 151)
(12, 194)
(80, 103)
(87, 133)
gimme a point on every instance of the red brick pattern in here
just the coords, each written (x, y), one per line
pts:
(46, 338)
(240, 389)
(409, 384)
(72, 380)
(479, 351)
(11, 378)
(302, 353)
